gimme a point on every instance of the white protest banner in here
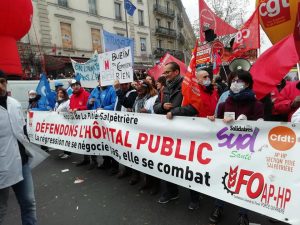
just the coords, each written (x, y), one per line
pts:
(254, 165)
(88, 71)
(116, 65)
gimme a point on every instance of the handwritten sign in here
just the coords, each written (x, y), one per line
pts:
(116, 65)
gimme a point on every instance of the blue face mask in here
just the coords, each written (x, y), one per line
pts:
(206, 83)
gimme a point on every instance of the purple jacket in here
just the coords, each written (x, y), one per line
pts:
(254, 110)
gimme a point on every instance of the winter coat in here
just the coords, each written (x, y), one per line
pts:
(252, 109)
(286, 97)
(79, 100)
(62, 107)
(209, 101)
(125, 100)
(172, 94)
(105, 98)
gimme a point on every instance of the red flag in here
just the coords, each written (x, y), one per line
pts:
(190, 88)
(216, 64)
(272, 66)
(158, 70)
(248, 37)
(209, 20)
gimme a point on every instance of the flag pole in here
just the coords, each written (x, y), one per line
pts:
(298, 68)
(126, 20)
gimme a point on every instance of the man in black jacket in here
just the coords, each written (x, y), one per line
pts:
(170, 104)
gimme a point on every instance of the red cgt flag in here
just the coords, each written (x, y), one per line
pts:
(209, 20)
(190, 88)
(158, 70)
(248, 37)
(271, 67)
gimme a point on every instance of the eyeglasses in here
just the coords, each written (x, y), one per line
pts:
(204, 77)
(167, 72)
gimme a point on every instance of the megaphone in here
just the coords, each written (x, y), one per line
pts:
(239, 64)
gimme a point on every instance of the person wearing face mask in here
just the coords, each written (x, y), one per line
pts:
(33, 99)
(241, 104)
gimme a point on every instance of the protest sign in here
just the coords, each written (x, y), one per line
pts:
(251, 164)
(116, 65)
(88, 71)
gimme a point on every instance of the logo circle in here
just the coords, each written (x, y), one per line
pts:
(282, 138)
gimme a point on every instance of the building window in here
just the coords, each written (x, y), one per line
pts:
(118, 11)
(120, 34)
(157, 2)
(169, 25)
(96, 40)
(63, 3)
(140, 1)
(141, 17)
(143, 45)
(66, 35)
(158, 22)
(92, 6)
(159, 43)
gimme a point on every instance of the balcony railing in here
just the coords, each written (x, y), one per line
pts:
(164, 11)
(165, 32)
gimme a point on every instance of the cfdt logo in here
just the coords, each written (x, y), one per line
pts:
(282, 138)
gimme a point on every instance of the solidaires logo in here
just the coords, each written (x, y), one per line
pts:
(282, 138)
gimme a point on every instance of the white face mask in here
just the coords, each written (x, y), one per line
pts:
(59, 98)
(206, 83)
(237, 87)
(32, 96)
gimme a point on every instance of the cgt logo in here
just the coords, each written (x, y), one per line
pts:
(282, 138)
(274, 12)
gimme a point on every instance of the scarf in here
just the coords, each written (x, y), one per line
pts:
(140, 103)
(245, 95)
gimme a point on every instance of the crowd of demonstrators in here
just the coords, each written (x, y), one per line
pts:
(230, 101)
(15, 171)
(102, 97)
